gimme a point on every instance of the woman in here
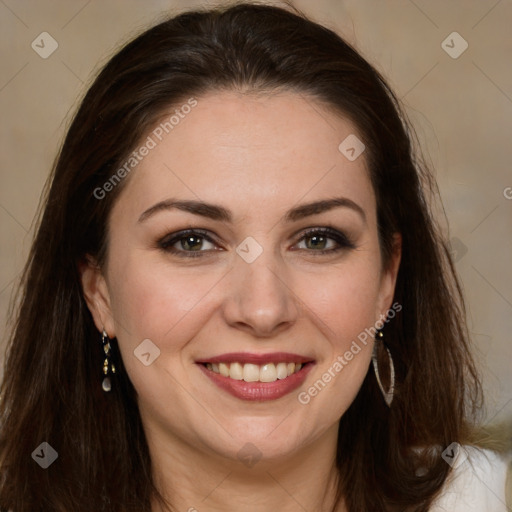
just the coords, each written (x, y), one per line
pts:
(237, 298)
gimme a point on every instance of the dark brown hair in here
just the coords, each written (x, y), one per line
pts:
(51, 391)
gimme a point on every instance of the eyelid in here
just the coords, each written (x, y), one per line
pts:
(170, 239)
(340, 238)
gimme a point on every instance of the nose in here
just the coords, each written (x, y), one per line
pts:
(258, 298)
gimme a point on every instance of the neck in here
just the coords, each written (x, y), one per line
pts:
(194, 481)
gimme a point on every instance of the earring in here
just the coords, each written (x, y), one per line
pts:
(379, 344)
(108, 365)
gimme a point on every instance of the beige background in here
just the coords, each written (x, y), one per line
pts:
(461, 108)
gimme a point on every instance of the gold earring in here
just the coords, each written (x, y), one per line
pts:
(108, 365)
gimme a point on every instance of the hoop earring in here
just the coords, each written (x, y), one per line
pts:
(108, 365)
(379, 342)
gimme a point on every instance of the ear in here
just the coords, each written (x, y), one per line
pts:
(388, 278)
(95, 290)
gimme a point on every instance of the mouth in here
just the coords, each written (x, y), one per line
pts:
(250, 372)
(255, 376)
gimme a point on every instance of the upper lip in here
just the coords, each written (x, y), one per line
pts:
(248, 357)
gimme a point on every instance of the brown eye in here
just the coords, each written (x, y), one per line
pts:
(318, 242)
(190, 243)
(324, 241)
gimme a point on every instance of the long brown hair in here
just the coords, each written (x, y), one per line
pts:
(51, 391)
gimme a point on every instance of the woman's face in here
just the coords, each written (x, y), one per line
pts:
(281, 266)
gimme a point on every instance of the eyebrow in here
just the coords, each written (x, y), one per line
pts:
(219, 213)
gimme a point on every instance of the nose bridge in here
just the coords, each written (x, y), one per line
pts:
(259, 297)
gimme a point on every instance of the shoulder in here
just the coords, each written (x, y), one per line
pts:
(476, 484)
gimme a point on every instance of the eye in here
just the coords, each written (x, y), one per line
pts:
(188, 243)
(324, 241)
(194, 243)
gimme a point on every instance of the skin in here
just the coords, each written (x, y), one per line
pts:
(258, 156)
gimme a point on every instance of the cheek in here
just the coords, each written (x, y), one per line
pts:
(342, 304)
(150, 300)
(343, 299)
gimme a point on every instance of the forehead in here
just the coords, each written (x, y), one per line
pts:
(249, 152)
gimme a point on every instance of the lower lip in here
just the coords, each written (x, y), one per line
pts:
(259, 391)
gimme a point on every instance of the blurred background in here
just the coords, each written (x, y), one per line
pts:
(449, 63)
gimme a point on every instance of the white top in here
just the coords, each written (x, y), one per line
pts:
(476, 484)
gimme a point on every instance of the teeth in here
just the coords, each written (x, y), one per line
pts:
(282, 370)
(268, 373)
(236, 371)
(224, 369)
(249, 372)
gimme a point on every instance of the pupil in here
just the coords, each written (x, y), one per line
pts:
(192, 243)
(317, 241)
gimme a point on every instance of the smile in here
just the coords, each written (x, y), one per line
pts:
(257, 377)
(250, 372)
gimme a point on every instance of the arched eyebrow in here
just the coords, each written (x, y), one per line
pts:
(219, 213)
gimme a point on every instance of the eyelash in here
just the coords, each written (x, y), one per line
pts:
(167, 242)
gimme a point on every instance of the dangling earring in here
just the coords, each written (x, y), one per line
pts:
(379, 343)
(108, 365)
